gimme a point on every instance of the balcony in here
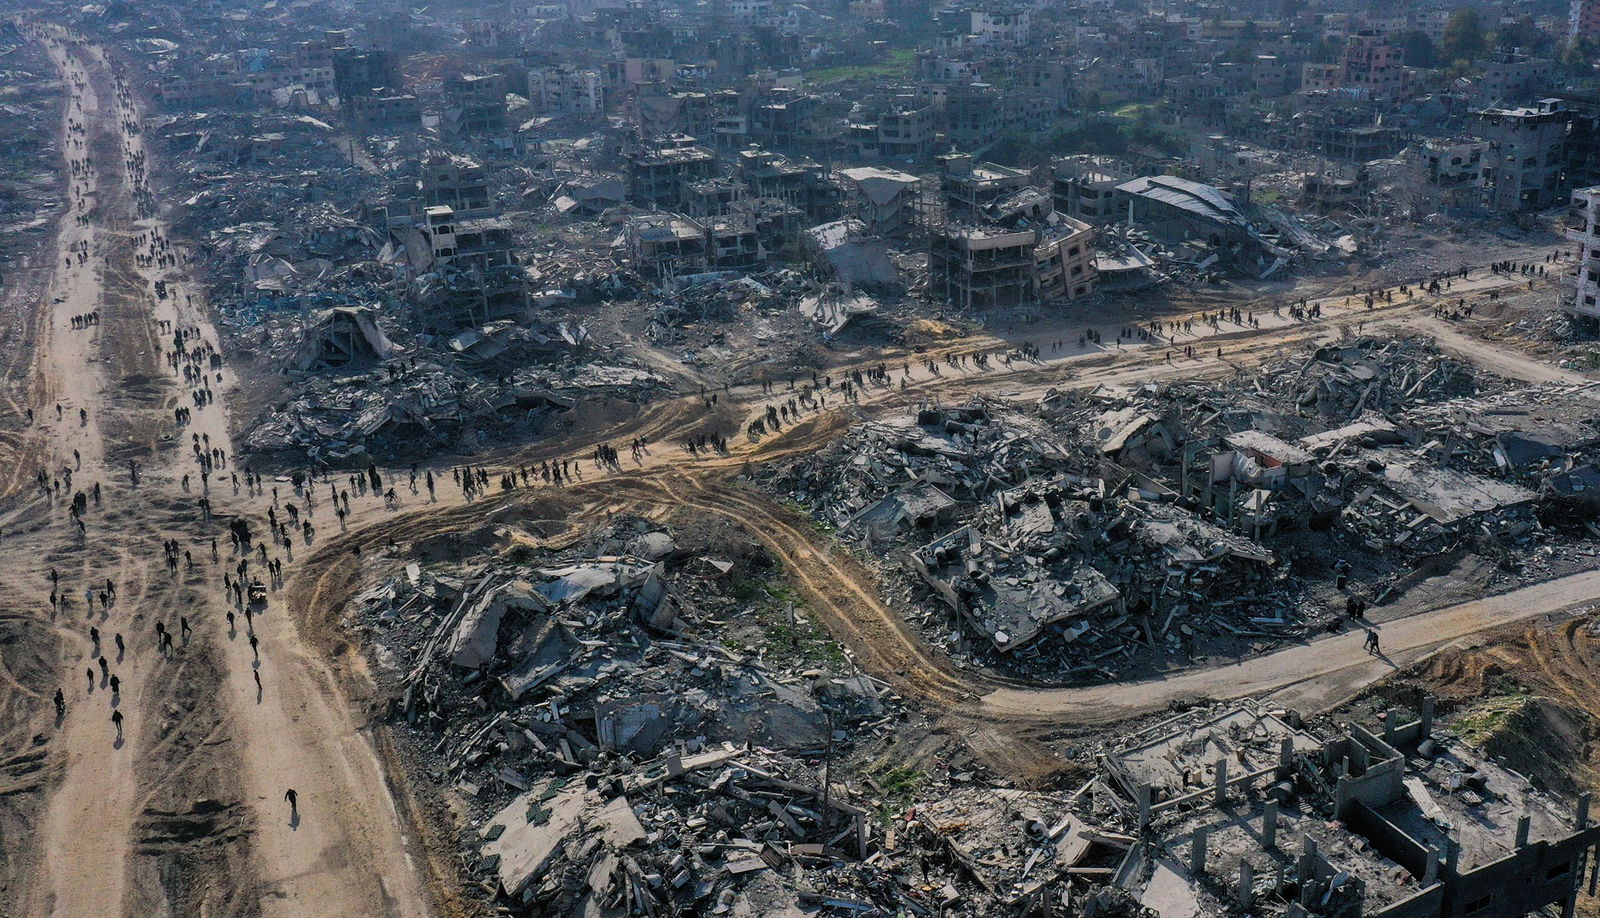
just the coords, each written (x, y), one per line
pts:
(1584, 235)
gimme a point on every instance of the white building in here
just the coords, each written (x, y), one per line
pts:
(1009, 27)
(1585, 304)
(566, 91)
(752, 11)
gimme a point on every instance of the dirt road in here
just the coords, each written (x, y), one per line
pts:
(179, 808)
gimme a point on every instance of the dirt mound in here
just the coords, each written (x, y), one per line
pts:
(1527, 697)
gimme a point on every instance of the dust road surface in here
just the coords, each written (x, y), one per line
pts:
(180, 807)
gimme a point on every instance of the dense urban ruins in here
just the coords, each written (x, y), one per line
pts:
(889, 459)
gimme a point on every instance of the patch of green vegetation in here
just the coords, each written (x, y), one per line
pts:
(802, 643)
(899, 785)
(1479, 723)
(902, 783)
(898, 66)
(818, 525)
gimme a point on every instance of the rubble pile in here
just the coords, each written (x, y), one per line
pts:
(29, 94)
(1034, 538)
(1341, 382)
(960, 452)
(1127, 527)
(617, 754)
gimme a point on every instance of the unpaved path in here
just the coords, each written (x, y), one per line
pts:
(180, 810)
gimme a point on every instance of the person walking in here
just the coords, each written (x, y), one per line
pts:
(294, 802)
(1372, 643)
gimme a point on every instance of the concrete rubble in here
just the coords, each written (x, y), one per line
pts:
(1128, 529)
(616, 755)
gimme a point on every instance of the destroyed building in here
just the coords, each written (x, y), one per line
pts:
(1248, 811)
(1105, 530)
(990, 267)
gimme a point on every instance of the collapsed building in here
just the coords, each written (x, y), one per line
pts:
(1251, 812)
(614, 757)
(1107, 531)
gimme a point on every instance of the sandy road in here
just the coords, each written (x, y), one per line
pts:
(120, 832)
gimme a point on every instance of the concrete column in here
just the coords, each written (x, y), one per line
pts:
(1580, 820)
(1286, 755)
(1222, 782)
(1524, 823)
(1430, 873)
(1247, 883)
(1269, 825)
(1452, 854)
(1306, 866)
(1197, 852)
(1427, 719)
(1143, 794)
(1388, 725)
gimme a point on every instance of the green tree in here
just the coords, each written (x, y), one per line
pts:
(1418, 49)
(1578, 58)
(1463, 37)
(1522, 35)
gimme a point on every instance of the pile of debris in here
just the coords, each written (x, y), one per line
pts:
(1341, 382)
(1130, 528)
(615, 754)
(1034, 539)
(433, 401)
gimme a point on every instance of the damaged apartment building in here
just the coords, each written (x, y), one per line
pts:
(457, 244)
(1250, 811)
(1003, 244)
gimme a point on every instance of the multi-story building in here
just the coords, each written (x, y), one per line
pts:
(973, 114)
(566, 90)
(1449, 173)
(970, 187)
(657, 173)
(1009, 26)
(457, 182)
(1583, 20)
(1064, 268)
(982, 267)
(906, 131)
(386, 110)
(475, 104)
(1315, 77)
(1085, 187)
(1509, 78)
(1584, 306)
(883, 200)
(1526, 170)
(1371, 65)
(358, 73)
